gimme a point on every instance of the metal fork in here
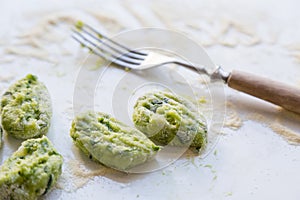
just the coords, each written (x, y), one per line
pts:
(275, 92)
(125, 57)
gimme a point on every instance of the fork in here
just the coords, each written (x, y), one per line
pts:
(269, 90)
(121, 55)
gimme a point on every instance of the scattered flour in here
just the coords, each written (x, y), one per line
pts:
(297, 57)
(286, 133)
(44, 41)
(289, 135)
(6, 79)
(216, 30)
(232, 120)
(31, 53)
(294, 51)
(6, 60)
(80, 175)
(235, 33)
(108, 22)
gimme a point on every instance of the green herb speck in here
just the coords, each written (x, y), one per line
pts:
(99, 36)
(215, 152)
(90, 50)
(127, 69)
(228, 194)
(202, 100)
(208, 166)
(79, 24)
(82, 45)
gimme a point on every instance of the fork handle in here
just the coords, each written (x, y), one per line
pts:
(272, 91)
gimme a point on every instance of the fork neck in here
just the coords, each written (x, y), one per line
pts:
(220, 73)
(196, 68)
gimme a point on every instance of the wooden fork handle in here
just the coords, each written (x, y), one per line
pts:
(272, 91)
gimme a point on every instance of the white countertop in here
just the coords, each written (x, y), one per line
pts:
(252, 159)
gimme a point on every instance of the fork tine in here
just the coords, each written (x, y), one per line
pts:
(94, 48)
(114, 42)
(121, 56)
(132, 56)
(110, 44)
(112, 48)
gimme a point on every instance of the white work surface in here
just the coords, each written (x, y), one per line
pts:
(251, 159)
